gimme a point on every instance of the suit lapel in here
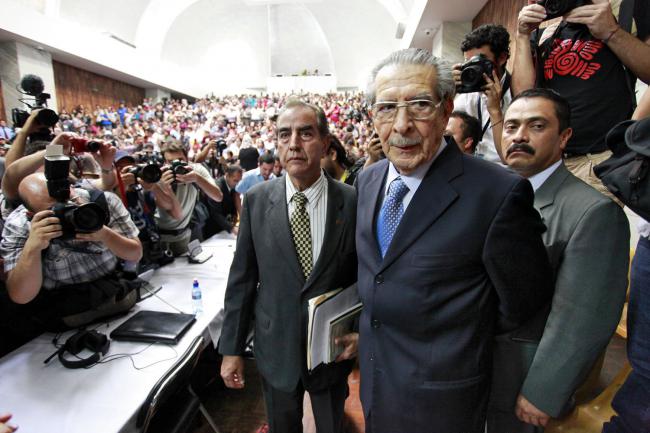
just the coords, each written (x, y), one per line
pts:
(432, 198)
(545, 194)
(278, 218)
(333, 230)
(369, 203)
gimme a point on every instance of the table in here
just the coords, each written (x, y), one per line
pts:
(107, 397)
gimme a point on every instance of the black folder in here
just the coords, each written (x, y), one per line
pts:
(154, 326)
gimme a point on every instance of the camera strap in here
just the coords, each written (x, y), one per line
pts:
(504, 90)
(120, 185)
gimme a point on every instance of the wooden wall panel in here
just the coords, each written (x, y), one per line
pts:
(75, 87)
(504, 12)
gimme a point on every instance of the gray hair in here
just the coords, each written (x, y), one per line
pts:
(321, 118)
(445, 88)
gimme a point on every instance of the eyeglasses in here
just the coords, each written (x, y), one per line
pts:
(417, 109)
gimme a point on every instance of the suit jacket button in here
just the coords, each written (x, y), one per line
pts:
(379, 279)
(375, 323)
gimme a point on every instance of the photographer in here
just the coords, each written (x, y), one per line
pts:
(33, 260)
(135, 185)
(584, 57)
(22, 166)
(176, 196)
(491, 96)
(224, 214)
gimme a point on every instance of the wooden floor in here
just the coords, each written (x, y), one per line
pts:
(242, 411)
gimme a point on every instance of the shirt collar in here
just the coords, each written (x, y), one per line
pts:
(414, 179)
(312, 193)
(538, 179)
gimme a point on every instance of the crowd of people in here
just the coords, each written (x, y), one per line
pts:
(475, 231)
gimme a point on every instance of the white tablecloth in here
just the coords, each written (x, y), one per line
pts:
(106, 398)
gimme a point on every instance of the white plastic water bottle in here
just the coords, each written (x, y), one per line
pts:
(197, 302)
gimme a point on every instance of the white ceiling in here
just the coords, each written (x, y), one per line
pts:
(192, 33)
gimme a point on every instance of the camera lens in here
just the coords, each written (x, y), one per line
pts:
(471, 76)
(88, 218)
(93, 146)
(555, 7)
(151, 173)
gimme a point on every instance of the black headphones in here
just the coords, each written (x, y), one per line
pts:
(84, 339)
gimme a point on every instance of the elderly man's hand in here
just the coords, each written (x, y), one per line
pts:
(350, 342)
(45, 227)
(528, 413)
(232, 371)
(597, 16)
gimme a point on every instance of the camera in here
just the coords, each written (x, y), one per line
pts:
(471, 75)
(150, 172)
(179, 167)
(557, 8)
(81, 145)
(57, 169)
(32, 85)
(85, 218)
(221, 146)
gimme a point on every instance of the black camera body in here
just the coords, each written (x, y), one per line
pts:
(85, 218)
(178, 166)
(558, 8)
(471, 74)
(152, 158)
(32, 85)
(149, 173)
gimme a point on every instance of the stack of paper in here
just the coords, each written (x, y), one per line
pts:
(331, 315)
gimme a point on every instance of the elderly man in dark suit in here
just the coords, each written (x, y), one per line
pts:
(296, 241)
(538, 367)
(449, 249)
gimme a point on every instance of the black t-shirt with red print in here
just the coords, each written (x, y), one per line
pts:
(588, 74)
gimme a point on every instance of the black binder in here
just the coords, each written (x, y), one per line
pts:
(155, 327)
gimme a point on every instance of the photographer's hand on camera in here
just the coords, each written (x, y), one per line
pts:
(164, 194)
(374, 151)
(17, 149)
(493, 90)
(597, 16)
(189, 177)
(128, 178)
(456, 72)
(530, 17)
(45, 227)
(121, 246)
(23, 282)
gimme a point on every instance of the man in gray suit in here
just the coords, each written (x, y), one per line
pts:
(538, 367)
(296, 241)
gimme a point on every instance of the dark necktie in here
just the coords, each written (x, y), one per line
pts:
(301, 233)
(391, 214)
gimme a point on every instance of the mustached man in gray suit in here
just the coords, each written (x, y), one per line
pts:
(538, 367)
(449, 251)
(296, 241)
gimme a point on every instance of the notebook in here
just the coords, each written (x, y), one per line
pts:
(154, 326)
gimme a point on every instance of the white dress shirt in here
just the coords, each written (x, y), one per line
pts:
(538, 179)
(412, 180)
(316, 209)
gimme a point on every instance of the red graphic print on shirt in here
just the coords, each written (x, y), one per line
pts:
(570, 57)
